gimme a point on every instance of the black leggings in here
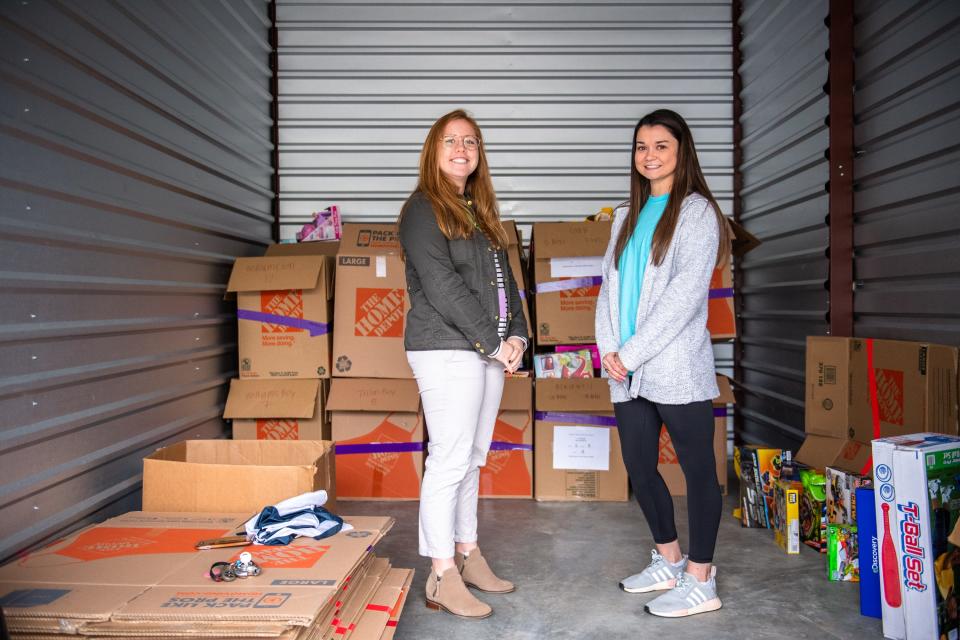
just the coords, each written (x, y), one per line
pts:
(691, 429)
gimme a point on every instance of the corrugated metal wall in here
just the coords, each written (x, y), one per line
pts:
(784, 202)
(907, 135)
(556, 86)
(135, 141)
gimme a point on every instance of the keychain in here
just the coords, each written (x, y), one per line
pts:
(242, 567)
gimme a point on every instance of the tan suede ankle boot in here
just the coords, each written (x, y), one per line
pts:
(451, 595)
(478, 574)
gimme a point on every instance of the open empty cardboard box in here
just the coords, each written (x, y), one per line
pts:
(236, 475)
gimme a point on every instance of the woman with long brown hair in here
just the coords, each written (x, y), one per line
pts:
(465, 327)
(651, 328)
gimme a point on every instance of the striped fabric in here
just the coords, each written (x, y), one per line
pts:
(302, 515)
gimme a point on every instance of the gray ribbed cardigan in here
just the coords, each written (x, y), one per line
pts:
(670, 353)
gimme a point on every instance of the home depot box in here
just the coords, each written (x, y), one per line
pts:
(721, 321)
(372, 304)
(514, 251)
(578, 452)
(916, 508)
(861, 388)
(567, 277)
(139, 574)
(378, 431)
(278, 409)
(283, 312)
(669, 464)
(236, 475)
(509, 469)
(820, 452)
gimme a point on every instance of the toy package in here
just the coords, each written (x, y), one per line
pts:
(843, 557)
(751, 508)
(813, 510)
(759, 470)
(570, 364)
(324, 226)
(867, 541)
(917, 483)
(787, 515)
(841, 495)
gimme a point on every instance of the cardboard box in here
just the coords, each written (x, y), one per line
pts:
(378, 431)
(916, 508)
(278, 409)
(509, 469)
(859, 388)
(787, 515)
(327, 248)
(284, 311)
(841, 495)
(567, 277)
(869, 546)
(372, 304)
(843, 553)
(139, 574)
(388, 599)
(820, 452)
(578, 452)
(669, 463)
(236, 475)
(721, 318)
(515, 257)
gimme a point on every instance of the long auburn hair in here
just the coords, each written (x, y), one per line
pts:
(453, 215)
(688, 178)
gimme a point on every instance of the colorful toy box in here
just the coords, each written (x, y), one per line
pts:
(843, 556)
(569, 364)
(787, 515)
(813, 510)
(841, 497)
(867, 541)
(759, 469)
(917, 482)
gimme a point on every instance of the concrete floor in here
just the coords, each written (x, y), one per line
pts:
(567, 559)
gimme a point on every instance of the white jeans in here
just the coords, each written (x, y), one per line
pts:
(460, 391)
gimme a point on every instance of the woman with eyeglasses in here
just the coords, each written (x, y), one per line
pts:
(651, 328)
(465, 328)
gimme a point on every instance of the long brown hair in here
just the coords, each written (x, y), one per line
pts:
(688, 178)
(453, 214)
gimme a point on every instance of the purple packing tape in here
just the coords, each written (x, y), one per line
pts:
(719, 412)
(379, 447)
(566, 285)
(523, 294)
(500, 445)
(315, 328)
(721, 293)
(576, 418)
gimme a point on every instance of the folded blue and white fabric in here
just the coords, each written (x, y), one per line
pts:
(302, 515)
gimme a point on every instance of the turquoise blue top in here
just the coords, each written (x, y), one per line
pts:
(633, 262)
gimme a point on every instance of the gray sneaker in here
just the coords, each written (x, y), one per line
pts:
(687, 598)
(660, 575)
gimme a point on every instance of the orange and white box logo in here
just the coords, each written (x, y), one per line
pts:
(668, 455)
(278, 429)
(890, 396)
(287, 303)
(379, 313)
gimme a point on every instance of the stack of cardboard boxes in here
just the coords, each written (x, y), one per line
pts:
(377, 420)
(141, 575)
(284, 311)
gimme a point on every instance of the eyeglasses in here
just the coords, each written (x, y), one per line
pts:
(469, 142)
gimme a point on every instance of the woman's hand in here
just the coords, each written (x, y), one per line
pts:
(614, 367)
(505, 354)
(517, 354)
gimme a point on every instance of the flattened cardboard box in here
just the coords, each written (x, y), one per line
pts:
(142, 566)
(386, 601)
(372, 304)
(236, 475)
(508, 472)
(583, 403)
(278, 409)
(567, 277)
(514, 251)
(378, 431)
(915, 388)
(669, 464)
(283, 315)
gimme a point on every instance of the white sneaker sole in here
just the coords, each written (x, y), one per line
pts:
(666, 585)
(709, 605)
